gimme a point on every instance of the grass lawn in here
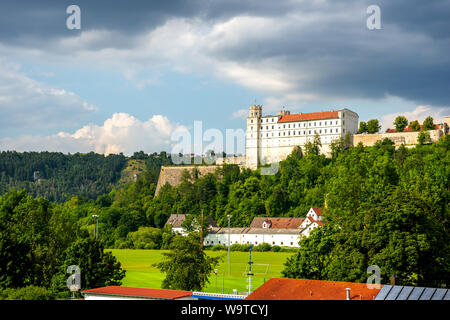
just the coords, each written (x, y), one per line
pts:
(141, 273)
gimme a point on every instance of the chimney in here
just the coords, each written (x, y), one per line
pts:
(392, 279)
(348, 293)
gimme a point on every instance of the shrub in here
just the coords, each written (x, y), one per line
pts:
(262, 247)
(27, 293)
(275, 248)
(218, 247)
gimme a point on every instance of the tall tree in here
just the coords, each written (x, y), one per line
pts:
(400, 123)
(186, 265)
(373, 126)
(362, 127)
(428, 124)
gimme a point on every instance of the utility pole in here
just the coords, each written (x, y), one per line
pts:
(229, 266)
(96, 224)
(250, 274)
(201, 230)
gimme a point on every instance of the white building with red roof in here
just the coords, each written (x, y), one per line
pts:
(279, 231)
(270, 139)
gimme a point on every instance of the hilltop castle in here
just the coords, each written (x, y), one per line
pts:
(271, 138)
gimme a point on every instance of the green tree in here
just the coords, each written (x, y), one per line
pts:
(146, 238)
(414, 125)
(33, 236)
(313, 257)
(98, 267)
(373, 126)
(362, 127)
(400, 123)
(428, 124)
(424, 137)
(186, 266)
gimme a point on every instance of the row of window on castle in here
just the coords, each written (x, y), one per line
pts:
(304, 132)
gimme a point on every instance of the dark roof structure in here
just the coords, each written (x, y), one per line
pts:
(390, 292)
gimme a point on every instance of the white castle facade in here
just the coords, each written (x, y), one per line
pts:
(270, 139)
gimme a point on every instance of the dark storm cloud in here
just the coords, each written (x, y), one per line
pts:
(33, 22)
(327, 41)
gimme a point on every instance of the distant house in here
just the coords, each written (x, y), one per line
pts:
(315, 213)
(176, 220)
(129, 293)
(280, 231)
(303, 289)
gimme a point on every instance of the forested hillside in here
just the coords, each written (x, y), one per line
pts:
(382, 206)
(58, 177)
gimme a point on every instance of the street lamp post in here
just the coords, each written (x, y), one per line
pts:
(96, 224)
(229, 267)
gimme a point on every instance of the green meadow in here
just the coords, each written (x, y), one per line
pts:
(141, 273)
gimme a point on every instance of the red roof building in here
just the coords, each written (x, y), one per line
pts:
(276, 223)
(127, 293)
(309, 116)
(303, 289)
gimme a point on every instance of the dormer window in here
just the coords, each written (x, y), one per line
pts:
(266, 224)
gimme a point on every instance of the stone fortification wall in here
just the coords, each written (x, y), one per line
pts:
(399, 138)
(172, 174)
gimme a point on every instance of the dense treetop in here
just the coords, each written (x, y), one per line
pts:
(383, 206)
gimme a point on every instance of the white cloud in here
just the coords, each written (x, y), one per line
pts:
(27, 103)
(419, 113)
(120, 133)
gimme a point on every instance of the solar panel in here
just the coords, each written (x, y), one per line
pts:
(439, 294)
(427, 294)
(416, 293)
(383, 292)
(404, 294)
(394, 293)
(447, 295)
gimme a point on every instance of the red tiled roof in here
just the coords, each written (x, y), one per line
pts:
(317, 210)
(176, 220)
(408, 129)
(303, 289)
(309, 116)
(278, 223)
(140, 292)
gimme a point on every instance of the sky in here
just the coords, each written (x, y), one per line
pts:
(136, 73)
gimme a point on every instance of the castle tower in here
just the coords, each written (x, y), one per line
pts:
(253, 136)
